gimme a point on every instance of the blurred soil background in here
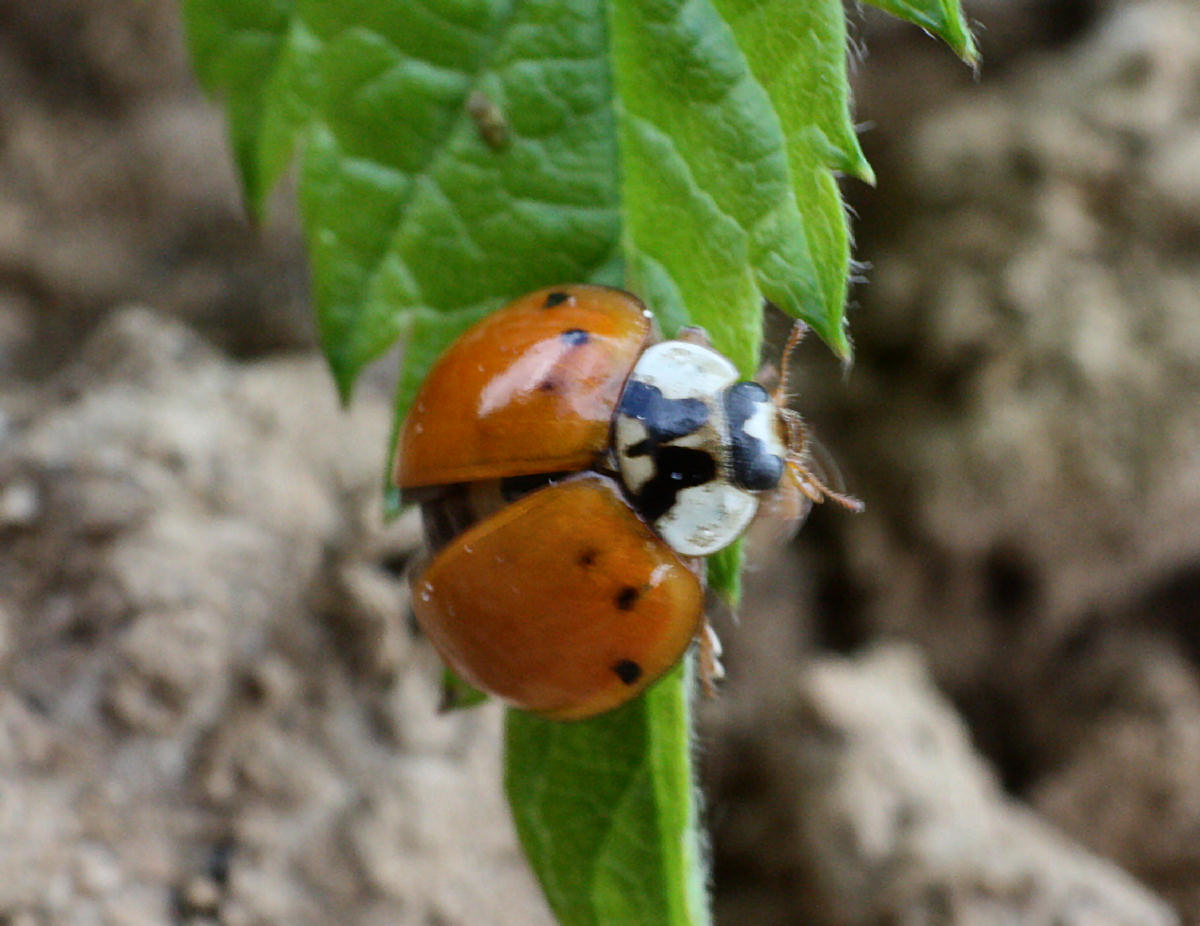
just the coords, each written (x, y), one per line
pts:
(977, 703)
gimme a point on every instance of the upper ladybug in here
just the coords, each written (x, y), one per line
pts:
(569, 474)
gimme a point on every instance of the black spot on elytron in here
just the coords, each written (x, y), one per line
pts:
(754, 467)
(575, 337)
(588, 557)
(556, 298)
(627, 671)
(514, 487)
(626, 598)
(665, 419)
(675, 469)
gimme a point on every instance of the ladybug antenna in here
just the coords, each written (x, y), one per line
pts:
(795, 336)
(806, 480)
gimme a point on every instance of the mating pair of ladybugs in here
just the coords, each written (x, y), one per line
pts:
(572, 475)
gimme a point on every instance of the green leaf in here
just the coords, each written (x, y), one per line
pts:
(722, 207)
(407, 208)
(604, 809)
(235, 45)
(944, 18)
(797, 51)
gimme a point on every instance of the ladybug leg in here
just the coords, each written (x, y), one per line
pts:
(711, 670)
(817, 491)
(804, 478)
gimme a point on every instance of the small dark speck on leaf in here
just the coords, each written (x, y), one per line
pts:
(489, 120)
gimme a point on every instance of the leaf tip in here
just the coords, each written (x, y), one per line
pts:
(254, 198)
(344, 374)
(839, 342)
(854, 163)
(966, 48)
(863, 171)
(956, 33)
(973, 59)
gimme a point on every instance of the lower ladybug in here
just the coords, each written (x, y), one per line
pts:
(572, 474)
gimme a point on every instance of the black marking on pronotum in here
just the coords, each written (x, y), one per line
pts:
(675, 469)
(754, 467)
(556, 298)
(575, 337)
(587, 558)
(626, 598)
(665, 419)
(627, 671)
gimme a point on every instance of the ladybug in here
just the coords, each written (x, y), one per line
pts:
(572, 474)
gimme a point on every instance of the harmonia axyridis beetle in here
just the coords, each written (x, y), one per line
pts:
(571, 475)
